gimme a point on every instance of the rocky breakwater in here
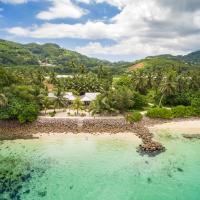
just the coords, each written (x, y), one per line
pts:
(15, 130)
(109, 125)
(148, 146)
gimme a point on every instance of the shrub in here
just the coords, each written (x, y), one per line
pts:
(134, 117)
(196, 106)
(182, 111)
(52, 114)
(29, 113)
(20, 110)
(139, 101)
(162, 113)
(178, 99)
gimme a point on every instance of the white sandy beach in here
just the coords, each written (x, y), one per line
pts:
(125, 136)
(185, 126)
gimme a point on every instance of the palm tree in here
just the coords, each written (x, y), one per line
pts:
(82, 69)
(77, 105)
(182, 83)
(3, 100)
(46, 103)
(194, 81)
(53, 79)
(140, 81)
(157, 79)
(168, 87)
(59, 100)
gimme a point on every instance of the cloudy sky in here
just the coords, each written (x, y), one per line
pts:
(109, 29)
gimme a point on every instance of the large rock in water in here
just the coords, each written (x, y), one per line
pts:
(151, 148)
(191, 136)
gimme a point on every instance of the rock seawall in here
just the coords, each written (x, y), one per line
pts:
(15, 130)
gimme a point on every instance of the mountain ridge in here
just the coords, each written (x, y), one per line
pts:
(51, 54)
(13, 53)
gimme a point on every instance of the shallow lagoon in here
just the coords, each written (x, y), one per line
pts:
(99, 168)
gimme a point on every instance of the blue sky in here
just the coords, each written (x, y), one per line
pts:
(107, 29)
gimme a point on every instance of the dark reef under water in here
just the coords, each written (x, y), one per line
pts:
(14, 176)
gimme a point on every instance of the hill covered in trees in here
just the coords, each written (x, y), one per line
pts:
(51, 55)
(12, 54)
(191, 60)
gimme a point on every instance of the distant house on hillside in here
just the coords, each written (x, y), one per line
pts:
(45, 64)
(60, 76)
(64, 76)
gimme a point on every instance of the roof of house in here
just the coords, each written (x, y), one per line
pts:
(89, 96)
(51, 95)
(69, 96)
(60, 76)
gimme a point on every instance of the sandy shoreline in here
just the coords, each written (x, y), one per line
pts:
(129, 136)
(93, 126)
(184, 126)
(142, 132)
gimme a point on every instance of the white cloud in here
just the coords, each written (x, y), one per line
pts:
(89, 30)
(117, 3)
(141, 28)
(19, 31)
(14, 1)
(84, 1)
(61, 9)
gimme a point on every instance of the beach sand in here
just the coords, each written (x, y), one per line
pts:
(125, 136)
(184, 126)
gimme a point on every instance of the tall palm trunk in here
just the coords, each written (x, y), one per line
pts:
(160, 102)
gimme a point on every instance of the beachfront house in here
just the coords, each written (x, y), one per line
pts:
(69, 96)
(51, 96)
(88, 97)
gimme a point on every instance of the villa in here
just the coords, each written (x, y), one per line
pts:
(86, 98)
(69, 96)
(51, 96)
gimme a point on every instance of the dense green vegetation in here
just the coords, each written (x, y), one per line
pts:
(52, 56)
(12, 54)
(162, 113)
(175, 112)
(21, 95)
(134, 117)
(167, 83)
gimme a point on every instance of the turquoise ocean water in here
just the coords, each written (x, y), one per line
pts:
(96, 168)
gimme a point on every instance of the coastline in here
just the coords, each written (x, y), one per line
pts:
(91, 125)
(108, 126)
(112, 125)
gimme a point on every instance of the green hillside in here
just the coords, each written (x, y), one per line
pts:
(14, 54)
(192, 58)
(56, 55)
(168, 61)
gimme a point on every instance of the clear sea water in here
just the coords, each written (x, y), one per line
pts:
(96, 168)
